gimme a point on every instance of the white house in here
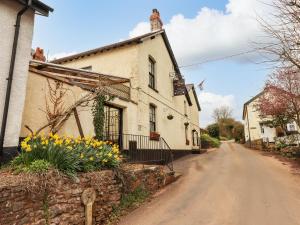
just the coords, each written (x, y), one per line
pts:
(258, 128)
(159, 101)
(16, 29)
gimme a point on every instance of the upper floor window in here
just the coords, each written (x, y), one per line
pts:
(152, 118)
(151, 73)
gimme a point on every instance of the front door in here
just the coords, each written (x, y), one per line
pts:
(112, 124)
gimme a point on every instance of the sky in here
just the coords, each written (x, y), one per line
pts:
(198, 30)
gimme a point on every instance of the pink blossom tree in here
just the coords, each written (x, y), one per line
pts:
(280, 100)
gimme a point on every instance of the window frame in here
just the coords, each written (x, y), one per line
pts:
(152, 72)
(152, 118)
(195, 135)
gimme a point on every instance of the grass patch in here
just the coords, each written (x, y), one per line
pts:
(209, 142)
(129, 202)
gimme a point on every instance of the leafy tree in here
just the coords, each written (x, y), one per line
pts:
(213, 130)
(238, 131)
(226, 126)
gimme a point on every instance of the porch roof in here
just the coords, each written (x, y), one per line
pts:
(88, 80)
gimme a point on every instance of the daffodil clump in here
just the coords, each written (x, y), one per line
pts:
(69, 154)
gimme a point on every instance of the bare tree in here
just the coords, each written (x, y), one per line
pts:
(55, 101)
(223, 112)
(283, 32)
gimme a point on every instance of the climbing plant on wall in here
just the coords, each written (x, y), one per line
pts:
(98, 115)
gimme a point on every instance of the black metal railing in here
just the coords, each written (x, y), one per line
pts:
(143, 149)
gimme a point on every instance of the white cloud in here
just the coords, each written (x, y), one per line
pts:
(60, 55)
(210, 101)
(214, 33)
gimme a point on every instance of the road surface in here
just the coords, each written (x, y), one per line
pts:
(231, 185)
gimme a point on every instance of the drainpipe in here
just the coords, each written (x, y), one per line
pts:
(248, 127)
(11, 73)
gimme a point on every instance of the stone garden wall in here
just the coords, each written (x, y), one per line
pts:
(255, 144)
(54, 199)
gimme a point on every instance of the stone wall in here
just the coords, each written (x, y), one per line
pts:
(255, 144)
(54, 199)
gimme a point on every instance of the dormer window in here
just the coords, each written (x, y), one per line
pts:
(151, 73)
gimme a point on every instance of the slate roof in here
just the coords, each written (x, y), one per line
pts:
(39, 6)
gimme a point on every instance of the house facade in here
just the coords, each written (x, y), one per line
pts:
(16, 27)
(160, 102)
(257, 128)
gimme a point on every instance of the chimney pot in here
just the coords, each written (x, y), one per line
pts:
(155, 21)
(39, 55)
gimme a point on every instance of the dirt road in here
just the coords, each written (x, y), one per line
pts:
(229, 186)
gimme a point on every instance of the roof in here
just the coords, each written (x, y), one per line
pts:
(190, 87)
(249, 101)
(39, 6)
(135, 40)
(84, 79)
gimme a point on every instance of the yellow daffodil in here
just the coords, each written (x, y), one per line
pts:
(109, 155)
(27, 139)
(58, 142)
(91, 158)
(68, 141)
(28, 148)
(81, 156)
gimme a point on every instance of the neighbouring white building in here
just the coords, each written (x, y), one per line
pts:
(257, 128)
(16, 28)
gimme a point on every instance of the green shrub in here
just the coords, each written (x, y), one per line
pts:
(128, 201)
(209, 142)
(67, 154)
(213, 130)
(280, 145)
(39, 166)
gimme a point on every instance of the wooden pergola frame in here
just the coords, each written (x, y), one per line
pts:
(73, 76)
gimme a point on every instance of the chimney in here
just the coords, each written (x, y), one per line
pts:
(155, 21)
(39, 55)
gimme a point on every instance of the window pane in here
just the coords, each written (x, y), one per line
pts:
(151, 73)
(152, 119)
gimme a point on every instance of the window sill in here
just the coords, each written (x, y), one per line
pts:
(153, 89)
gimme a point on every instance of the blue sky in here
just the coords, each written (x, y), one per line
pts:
(210, 29)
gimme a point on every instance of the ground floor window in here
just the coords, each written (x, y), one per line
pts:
(152, 117)
(195, 138)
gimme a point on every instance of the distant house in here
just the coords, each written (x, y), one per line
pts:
(258, 128)
(159, 103)
(16, 28)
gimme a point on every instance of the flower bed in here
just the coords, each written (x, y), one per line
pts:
(290, 151)
(67, 154)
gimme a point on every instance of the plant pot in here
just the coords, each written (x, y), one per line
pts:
(187, 142)
(170, 117)
(154, 136)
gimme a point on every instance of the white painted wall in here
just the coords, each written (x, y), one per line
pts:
(8, 13)
(268, 134)
(132, 62)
